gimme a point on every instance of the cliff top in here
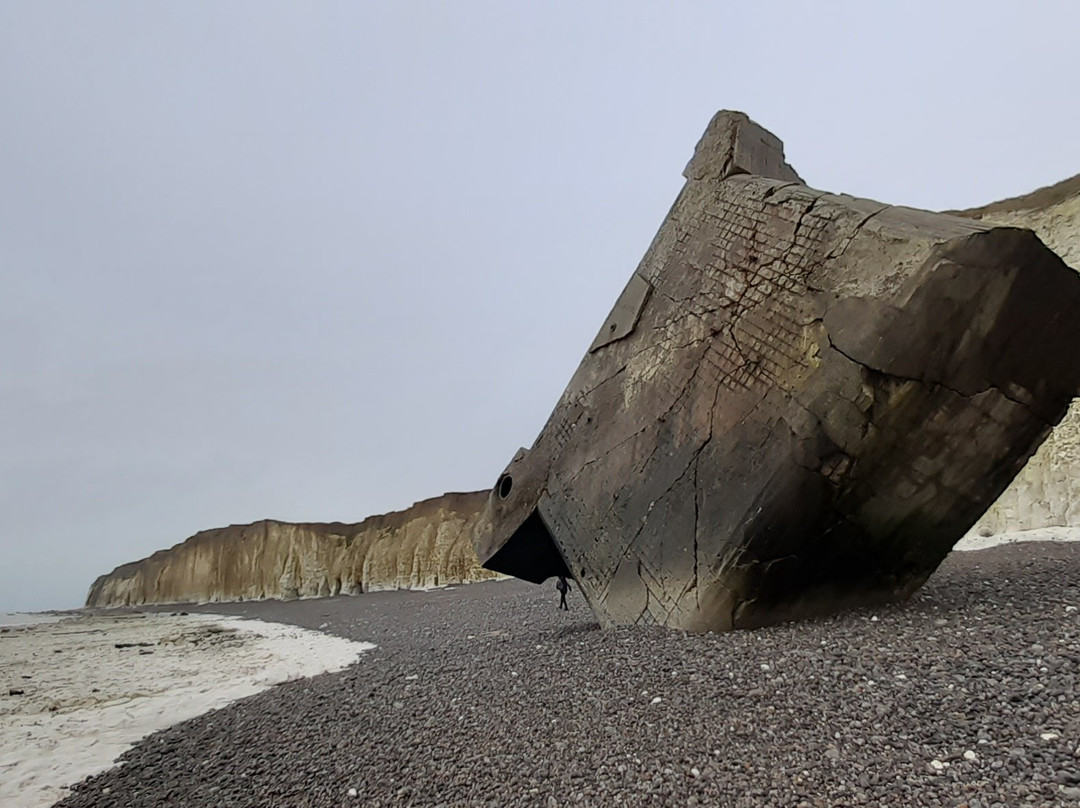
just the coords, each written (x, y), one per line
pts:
(1036, 200)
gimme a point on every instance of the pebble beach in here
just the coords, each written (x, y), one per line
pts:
(489, 695)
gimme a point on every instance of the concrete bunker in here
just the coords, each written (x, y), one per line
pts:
(798, 404)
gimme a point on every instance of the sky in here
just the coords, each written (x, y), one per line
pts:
(316, 261)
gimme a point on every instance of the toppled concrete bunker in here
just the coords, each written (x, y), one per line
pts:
(799, 403)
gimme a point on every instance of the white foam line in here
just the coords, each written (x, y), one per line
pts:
(85, 701)
(8, 619)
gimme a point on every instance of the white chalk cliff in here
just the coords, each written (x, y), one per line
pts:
(1047, 492)
(424, 546)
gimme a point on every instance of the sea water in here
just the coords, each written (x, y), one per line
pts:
(28, 618)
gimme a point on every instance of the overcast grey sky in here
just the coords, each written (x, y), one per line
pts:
(315, 261)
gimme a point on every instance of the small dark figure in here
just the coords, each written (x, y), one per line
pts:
(563, 586)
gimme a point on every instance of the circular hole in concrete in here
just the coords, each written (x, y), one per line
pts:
(505, 486)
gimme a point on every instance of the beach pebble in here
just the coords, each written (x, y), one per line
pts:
(956, 716)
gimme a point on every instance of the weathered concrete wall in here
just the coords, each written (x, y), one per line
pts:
(1047, 492)
(423, 546)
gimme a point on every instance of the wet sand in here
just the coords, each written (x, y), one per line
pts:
(76, 693)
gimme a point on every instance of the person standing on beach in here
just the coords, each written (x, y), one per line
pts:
(563, 586)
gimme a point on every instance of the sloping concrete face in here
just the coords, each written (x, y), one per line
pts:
(799, 404)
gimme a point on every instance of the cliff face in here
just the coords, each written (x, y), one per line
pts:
(429, 544)
(1047, 492)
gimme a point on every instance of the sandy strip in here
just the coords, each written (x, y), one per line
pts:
(973, 541)
(75, 695)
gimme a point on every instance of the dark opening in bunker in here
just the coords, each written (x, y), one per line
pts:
(530, 554)
(505, 486)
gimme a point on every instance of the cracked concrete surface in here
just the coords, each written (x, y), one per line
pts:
(809, 402)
